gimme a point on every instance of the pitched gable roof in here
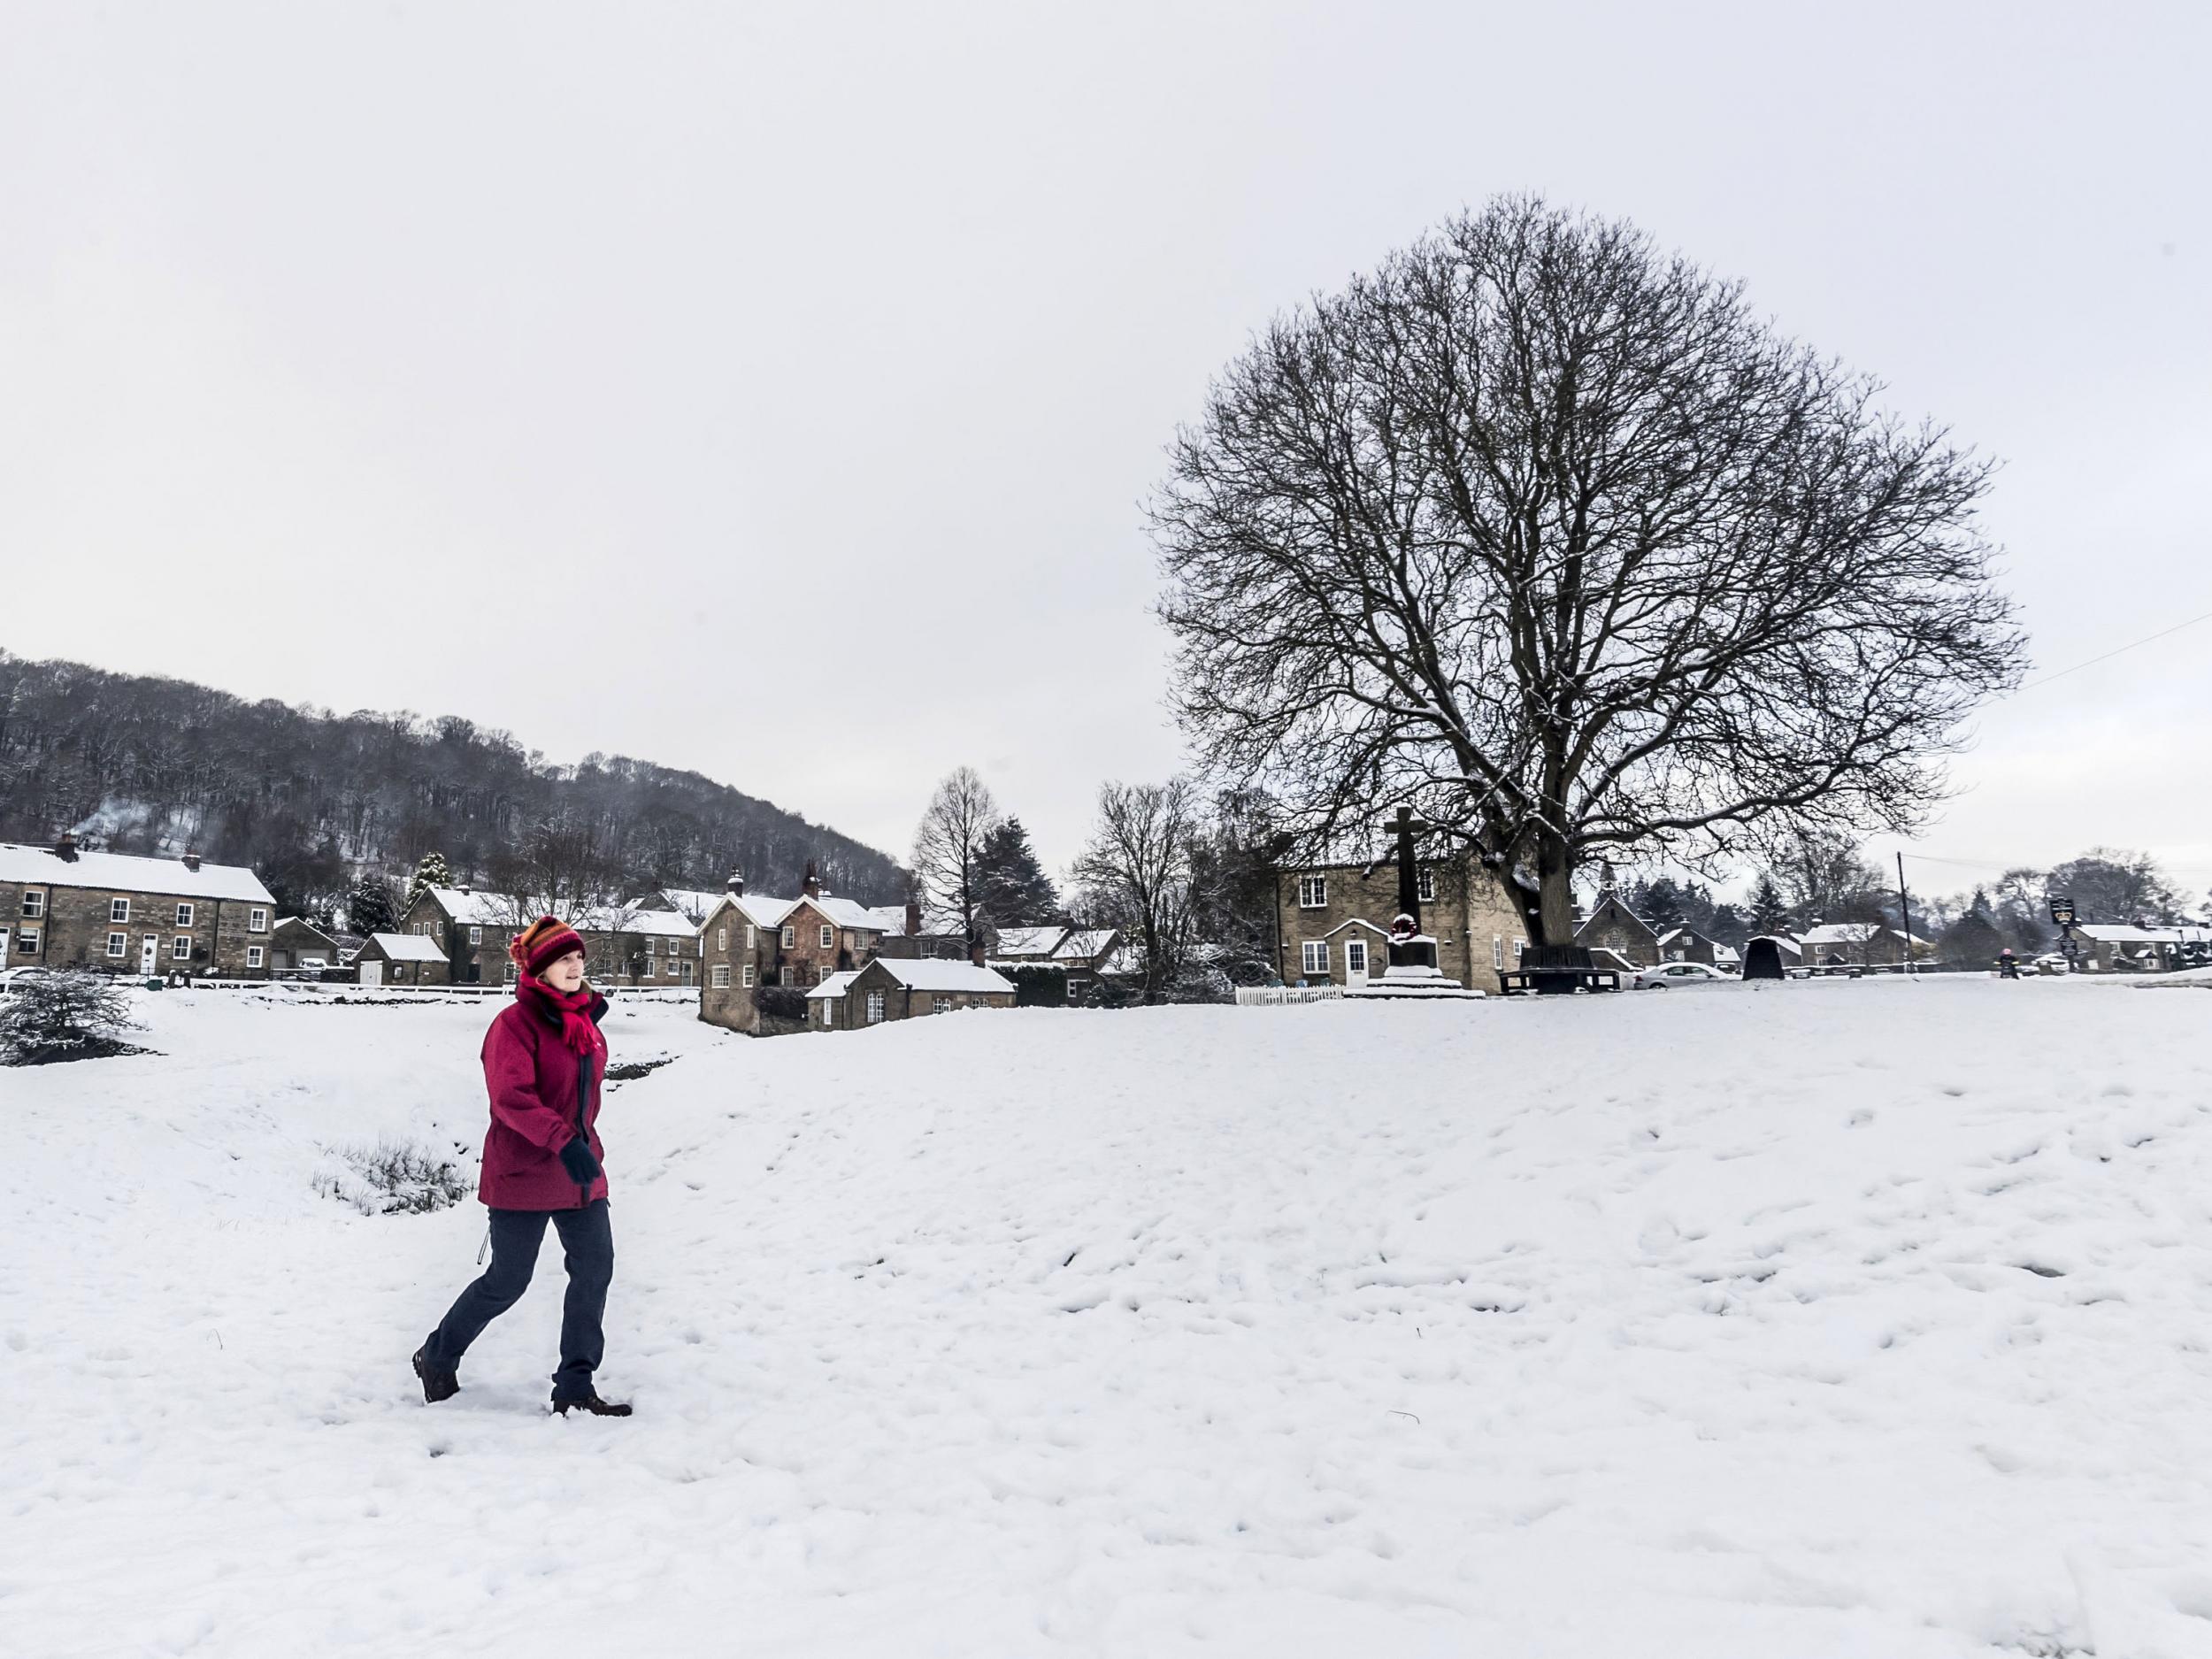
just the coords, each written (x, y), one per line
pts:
(128, 872)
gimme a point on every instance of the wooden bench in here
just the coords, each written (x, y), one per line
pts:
(1558, 971)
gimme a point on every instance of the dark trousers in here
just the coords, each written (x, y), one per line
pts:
(587, 1250)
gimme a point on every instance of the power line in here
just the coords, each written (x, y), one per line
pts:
(2115, 651)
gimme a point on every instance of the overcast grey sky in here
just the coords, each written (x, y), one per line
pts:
(770, 390)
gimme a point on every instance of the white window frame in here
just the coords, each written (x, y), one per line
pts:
(512, 973)
(940, 1004)
(256, 920)
(749, 976)
(254, 955)
(652, 947)
(1313, 959)
(1425, 886)
(34, 906)
(790, 937)
(118, 946)
(829, 937)
(26, 941)
(476, 934)
(829, 1004)
(181, 948)
(1497, 952)
(752, 937)
(651, 968)
(721, 939)
(119, 911)
(875, 1007)
(1313, 893)
(719, 977)
(184, 915)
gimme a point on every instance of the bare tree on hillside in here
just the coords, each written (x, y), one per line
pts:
(1541, 531)
(1138, 873)
(949, 846)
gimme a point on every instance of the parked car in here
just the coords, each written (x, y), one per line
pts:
(12, 977)
(1680, 976)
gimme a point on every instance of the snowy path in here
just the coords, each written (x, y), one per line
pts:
(1869, 1319)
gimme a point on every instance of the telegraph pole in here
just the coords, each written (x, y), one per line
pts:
(1904, 908)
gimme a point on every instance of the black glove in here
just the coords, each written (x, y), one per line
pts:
(576, 1158)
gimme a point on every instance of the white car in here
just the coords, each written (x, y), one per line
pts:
(1681, 976)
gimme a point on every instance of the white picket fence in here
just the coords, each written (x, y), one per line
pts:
(1278, 996)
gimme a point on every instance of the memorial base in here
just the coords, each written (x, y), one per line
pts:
(1413, 975)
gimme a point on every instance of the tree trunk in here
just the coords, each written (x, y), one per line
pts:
(1549, 911)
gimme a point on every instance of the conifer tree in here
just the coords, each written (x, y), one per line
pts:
(1770, 912)
(369, 906)
(430, 871)
(1012, 887)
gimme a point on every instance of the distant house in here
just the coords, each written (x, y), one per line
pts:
(1085, 955)
(1860, 945)
(294, 943)
(402, 959)
(1332, 919)
(1614, 926)
(750, 942)
(471, 928)
(120, 913)
(695, 902)
(939, 933)
(891, 988)
(624, 945)
(2112, 945)
(1686, 944)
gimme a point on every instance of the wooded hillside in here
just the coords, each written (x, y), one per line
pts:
(312, 799)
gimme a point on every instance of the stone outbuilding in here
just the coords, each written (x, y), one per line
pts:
(1860, 945)
(61, 907)
(296, 946)
(892, 988)
(402, 959)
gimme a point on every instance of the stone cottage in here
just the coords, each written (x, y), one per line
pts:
(893, 987)
(1332, 919)
(61, 907)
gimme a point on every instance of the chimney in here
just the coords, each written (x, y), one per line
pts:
(192, 860)
(812, 886)
(975, 950)
(1605, 879)
(913, 918)
(736, 885)
(65, 849)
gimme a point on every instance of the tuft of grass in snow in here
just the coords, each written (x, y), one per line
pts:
(393, 1177)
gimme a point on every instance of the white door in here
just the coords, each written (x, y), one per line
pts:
(149, 956)
(1356, 961)
(371, 973)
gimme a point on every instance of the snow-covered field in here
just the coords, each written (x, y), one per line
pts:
(1867, 1318)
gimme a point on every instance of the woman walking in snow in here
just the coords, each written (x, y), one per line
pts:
(543, 1060)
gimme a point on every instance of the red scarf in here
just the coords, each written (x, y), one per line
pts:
(574, 1008)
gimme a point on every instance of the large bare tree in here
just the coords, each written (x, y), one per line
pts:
(949, 846)
(1542, 531)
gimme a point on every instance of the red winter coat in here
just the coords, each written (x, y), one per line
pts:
(542, 1093)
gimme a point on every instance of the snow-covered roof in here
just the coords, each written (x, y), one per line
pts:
(845, 913)
(407, 946)
(486, 909)
(834, 986)
(1726, 953)
(1030, 941)
(1083, 943)
(931, 973)
(2122, 933)
(128, 872)
(1851, 933)
(694, 902)
(626, 919)
(756, 908)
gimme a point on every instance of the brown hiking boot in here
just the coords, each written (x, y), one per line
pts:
(437, 1383)
(594, 1404)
